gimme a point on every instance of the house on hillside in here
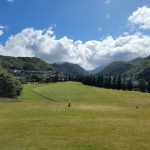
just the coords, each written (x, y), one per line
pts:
(38, 76)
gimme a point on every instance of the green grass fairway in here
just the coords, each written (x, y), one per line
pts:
(98, 119)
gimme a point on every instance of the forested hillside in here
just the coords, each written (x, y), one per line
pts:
(24, 63)
(73, 69)
(139, 68)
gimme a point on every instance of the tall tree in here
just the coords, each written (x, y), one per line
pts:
(98, 81)
(56, 77)
(142, 86)
(129, 85)
(109, 81)
(148, 87)
(101, 84)
(106, 81)
(114, 82)
(119, 83)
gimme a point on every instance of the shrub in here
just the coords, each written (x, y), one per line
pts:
(9, 86)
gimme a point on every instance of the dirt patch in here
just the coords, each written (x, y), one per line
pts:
(98, 107)
(9, 101)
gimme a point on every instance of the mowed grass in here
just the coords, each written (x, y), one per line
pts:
(98, 119)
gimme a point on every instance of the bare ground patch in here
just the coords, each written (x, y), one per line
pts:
(9, 101)
(98, 107)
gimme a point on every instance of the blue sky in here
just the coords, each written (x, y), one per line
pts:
(76, 20)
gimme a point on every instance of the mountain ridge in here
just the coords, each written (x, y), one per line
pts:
(24, 63)
(97, 69)
(70, 68)
(139, 68)
(37, 64)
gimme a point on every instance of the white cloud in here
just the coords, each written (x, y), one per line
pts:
(43, 44)
(2, 28)
(1, 32)
(107, 2)
(99, 29)
(10, 0)
(107, 16)
(141, 18)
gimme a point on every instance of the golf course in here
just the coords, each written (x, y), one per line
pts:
(97, 119)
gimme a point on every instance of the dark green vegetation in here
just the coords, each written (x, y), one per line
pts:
(98, 119)
(119, 82)
(31, 69)
(9, 86)
(121, 67)
(36, 64)
(24, 63)
(139, 68)
(72, 69)
(118, 67)
(142, 70)
(116, 81)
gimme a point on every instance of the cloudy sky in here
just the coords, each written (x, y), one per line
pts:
(87, 32)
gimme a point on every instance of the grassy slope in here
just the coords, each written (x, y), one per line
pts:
(76, 92)
(98, 119)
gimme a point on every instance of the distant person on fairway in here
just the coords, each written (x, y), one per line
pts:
(69, 105)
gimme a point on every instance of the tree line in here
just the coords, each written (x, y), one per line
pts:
(119, 82)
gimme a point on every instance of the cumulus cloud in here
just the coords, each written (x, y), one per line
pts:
(1, 30)
(141, 18)
(89, 54)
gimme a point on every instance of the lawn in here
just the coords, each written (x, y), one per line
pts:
(98, 119)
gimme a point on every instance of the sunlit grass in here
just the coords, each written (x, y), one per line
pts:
(98, 119)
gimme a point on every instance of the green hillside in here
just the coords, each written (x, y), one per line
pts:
(140, 68)
(24, 63)
(73, 69)
(36, 64)
(118, 67)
